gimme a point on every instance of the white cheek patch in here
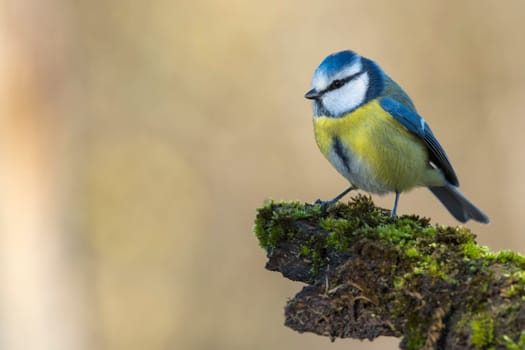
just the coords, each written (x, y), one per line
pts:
(347, 97)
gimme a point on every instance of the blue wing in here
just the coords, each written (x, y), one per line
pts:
(417, 125)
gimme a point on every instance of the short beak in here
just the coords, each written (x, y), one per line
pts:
(312, 94)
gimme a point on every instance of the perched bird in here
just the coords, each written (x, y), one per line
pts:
(369, 129)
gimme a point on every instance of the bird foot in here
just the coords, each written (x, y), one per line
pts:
(325, 204)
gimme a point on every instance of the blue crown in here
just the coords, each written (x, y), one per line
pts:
(335, 62)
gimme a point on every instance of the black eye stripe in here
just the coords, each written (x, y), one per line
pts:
(336, 84)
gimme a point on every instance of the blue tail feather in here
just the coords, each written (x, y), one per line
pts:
(459, 206)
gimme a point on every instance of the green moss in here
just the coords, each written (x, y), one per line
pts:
(412, 236)
(514, 345)
(346, 223)
(506, 256)
(482, 330)
(512, 290)
(517, 286)
(412, 252)
(519, 276)
(341, 231)
(473, 251)
(430, 266)
(415, 336)
(305, 251)
(267, 228)
(277, 219)
(395, 234)
(399, 283)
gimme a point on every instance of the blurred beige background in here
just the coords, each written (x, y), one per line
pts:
(137, 139)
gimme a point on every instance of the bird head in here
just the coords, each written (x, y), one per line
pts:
(343, 82)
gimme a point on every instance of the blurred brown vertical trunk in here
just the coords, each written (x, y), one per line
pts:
(36, 292)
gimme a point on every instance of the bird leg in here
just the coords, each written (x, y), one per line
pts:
(325, 204)
(394, 210)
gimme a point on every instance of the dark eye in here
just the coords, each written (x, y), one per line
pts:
(336, 84)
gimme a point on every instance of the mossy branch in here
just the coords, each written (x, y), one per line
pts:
(369, 275)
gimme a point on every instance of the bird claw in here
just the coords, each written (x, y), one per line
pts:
(319, 201)
(324, 204)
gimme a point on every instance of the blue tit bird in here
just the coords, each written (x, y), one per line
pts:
(369, 130)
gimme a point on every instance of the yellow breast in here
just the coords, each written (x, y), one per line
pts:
(382, 155)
